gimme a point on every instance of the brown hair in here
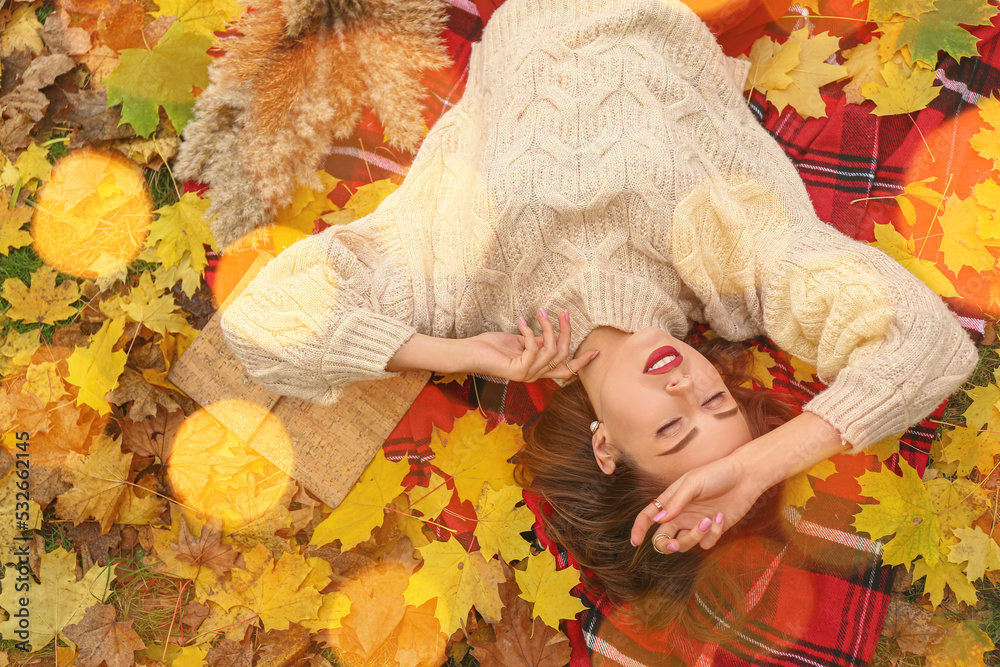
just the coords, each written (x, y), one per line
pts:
(592, 513)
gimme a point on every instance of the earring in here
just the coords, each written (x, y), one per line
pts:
(593, 426)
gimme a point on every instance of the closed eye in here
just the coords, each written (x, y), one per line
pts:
(713, 401)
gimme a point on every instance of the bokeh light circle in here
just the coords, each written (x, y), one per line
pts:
(92, 217)
(212, 471)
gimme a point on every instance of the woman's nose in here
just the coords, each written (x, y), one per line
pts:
(678, 384)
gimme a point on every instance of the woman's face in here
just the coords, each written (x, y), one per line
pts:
(668, 420)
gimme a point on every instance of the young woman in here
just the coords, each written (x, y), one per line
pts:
(603, 165)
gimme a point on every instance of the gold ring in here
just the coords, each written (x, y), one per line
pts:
(658, 536)
(658, 505)
(570, 369)
(552, 365)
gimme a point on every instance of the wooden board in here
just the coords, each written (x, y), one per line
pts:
(325, 448)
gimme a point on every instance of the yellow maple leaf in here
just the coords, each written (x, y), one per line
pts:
(885, 447)
(33, 166)
(376, 592)
(297, 219)
(905, 90)
(181, 228)
(962, 646)
(961, 449)
(165, 277)
(159, 312)
(905, 508)
(21, 32)
(363, 509)
(798, 490)
(11, 222)
(44, 381)
(430, 500)
(941, 574)
(201, 17)
(985, 408)
(770, 63)
(334, 608)
(903, 251)
(190, 656)
(43, 302)
(762, 365)
(459, 580)
(978, 548)
(863, 66)
(445, 378)
(961, 244)
(473, 457)
(420, 640)
(368, 197)
(95, 369)
(957, 503)
(549, 589)
(811, 73)
(917, 190)
(281, 591)
(987, 194)
(17, 350)
(804, 371)
(987, 141)
(58, 599)
(499, 524)
(101, 489)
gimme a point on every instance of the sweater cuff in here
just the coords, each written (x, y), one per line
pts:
(361, 346)
(863, 408)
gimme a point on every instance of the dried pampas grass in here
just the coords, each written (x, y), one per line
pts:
(275, 104)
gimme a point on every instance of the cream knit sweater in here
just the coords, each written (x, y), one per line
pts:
(603, 159)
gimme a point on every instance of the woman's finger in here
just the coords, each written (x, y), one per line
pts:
(695, 536)
(715, 532)
(564, 334)
(575, 365)
(548, 350)
(530, 344)
(652, 513)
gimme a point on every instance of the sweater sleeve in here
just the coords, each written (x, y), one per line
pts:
(886, 345)
(312, 321)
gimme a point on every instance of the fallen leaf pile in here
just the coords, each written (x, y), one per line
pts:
(102, 261)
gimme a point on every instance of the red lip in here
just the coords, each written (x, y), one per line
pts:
(660, 353)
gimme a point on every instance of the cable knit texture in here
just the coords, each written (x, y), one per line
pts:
(603, 159)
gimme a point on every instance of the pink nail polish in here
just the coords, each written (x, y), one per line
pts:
(671, 547)
(718, 518)
(705, 523)
(659, 517)
(544, 314)
(566, 313)
(523, 322)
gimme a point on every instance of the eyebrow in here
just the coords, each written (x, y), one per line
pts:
(690, 434)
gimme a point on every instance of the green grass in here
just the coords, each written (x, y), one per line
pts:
(162, 187)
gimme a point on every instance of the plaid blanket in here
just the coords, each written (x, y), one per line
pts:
(820, 595)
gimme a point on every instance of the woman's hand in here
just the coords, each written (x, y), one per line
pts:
(731, 485)
(526, 358)
(699, 506)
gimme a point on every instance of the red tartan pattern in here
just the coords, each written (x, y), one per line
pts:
(849, 155)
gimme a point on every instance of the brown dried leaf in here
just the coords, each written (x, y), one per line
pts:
(145, 397)
(153, 436)
(88, 110)
(910, 625)
(100, 638)
(88, 536)
(279, 648)
(60, 38)
(519, 642)
(229, 653)
(207, 549)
